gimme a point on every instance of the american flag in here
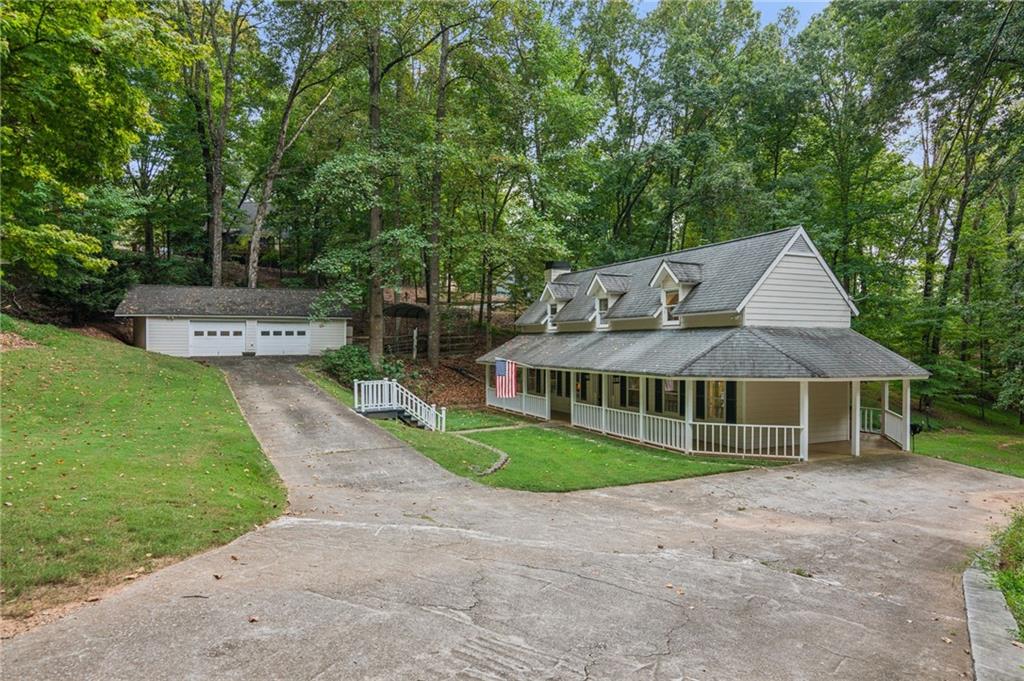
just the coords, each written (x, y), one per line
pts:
(505, 378)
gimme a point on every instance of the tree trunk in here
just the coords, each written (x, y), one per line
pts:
(253, 266)
(433, 257)
(376, 211)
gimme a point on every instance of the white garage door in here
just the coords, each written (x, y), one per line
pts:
(279, 338)
(215, 339)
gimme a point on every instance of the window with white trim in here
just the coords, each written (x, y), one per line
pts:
(552, 311)
(602, 311)
(671, 299)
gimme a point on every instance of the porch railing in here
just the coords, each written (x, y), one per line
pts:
(387, 395)
(746, 439)
(586, 416)
(894, 427)
(623, 423)
(665, 432)
(510, 403)
(870, 420)
(736, 439)
(536, 405)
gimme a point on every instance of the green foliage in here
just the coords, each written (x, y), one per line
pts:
(352, 363)
(1007, 565)
(106, 475)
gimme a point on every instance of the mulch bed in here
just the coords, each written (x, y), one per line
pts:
(12, 341)
(459, 381)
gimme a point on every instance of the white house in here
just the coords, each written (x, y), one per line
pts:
(202, 321)
(742, 347)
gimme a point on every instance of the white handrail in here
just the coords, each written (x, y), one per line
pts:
(386, 394)
(870, 420)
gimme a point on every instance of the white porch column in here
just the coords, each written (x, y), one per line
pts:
(689, 397)
(643, 406)
(855, 418)
(547, 393)
(522, 387)
(906, 415)
(605, 391)
(572, 397)
(805, 421)
(885, 406)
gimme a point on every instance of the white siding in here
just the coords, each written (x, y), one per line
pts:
(167, 336)
(326, 336)
(830, 411)
(798, 292)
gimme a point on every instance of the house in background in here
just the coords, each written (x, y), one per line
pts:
(742, 347)
(202, 321)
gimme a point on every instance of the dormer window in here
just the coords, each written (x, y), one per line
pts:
(675, 279)
(606, 288)
(668, 308)
(602, 312)
(552, 312)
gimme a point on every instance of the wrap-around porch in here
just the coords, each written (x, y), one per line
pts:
(780, 418)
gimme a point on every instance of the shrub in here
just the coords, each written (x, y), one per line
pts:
(352, 363)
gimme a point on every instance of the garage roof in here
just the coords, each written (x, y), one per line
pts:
(145, 300)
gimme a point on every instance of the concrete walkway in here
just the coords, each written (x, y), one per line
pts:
(388, 567)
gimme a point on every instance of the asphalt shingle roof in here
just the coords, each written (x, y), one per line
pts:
(727, 271)
(562, 291)
(727, 352)
(184, 301)
(614, 283)
(685, 272)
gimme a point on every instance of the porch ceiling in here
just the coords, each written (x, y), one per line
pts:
(733, 352)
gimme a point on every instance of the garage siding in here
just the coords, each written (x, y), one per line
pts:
(326, 336)
(167, 336)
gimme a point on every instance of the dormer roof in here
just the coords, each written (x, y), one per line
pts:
(678, 271)
(607, 283)
(560, 291)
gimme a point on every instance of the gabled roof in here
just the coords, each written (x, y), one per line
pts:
(560, 290)
(611, 283)
(680, 272)
(206, 301)
(728, 271)
(724, 352)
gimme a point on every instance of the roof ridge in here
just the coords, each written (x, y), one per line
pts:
(687, 250)
(779, 350)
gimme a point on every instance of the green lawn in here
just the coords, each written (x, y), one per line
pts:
(996, 444)
(115, 460)
(563, 459)
(540, 459)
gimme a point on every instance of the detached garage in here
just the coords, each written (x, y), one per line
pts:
(201, 321)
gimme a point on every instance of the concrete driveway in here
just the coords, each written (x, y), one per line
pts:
(388, 567)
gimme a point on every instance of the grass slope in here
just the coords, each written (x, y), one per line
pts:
(115, 460)
(960, 435)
